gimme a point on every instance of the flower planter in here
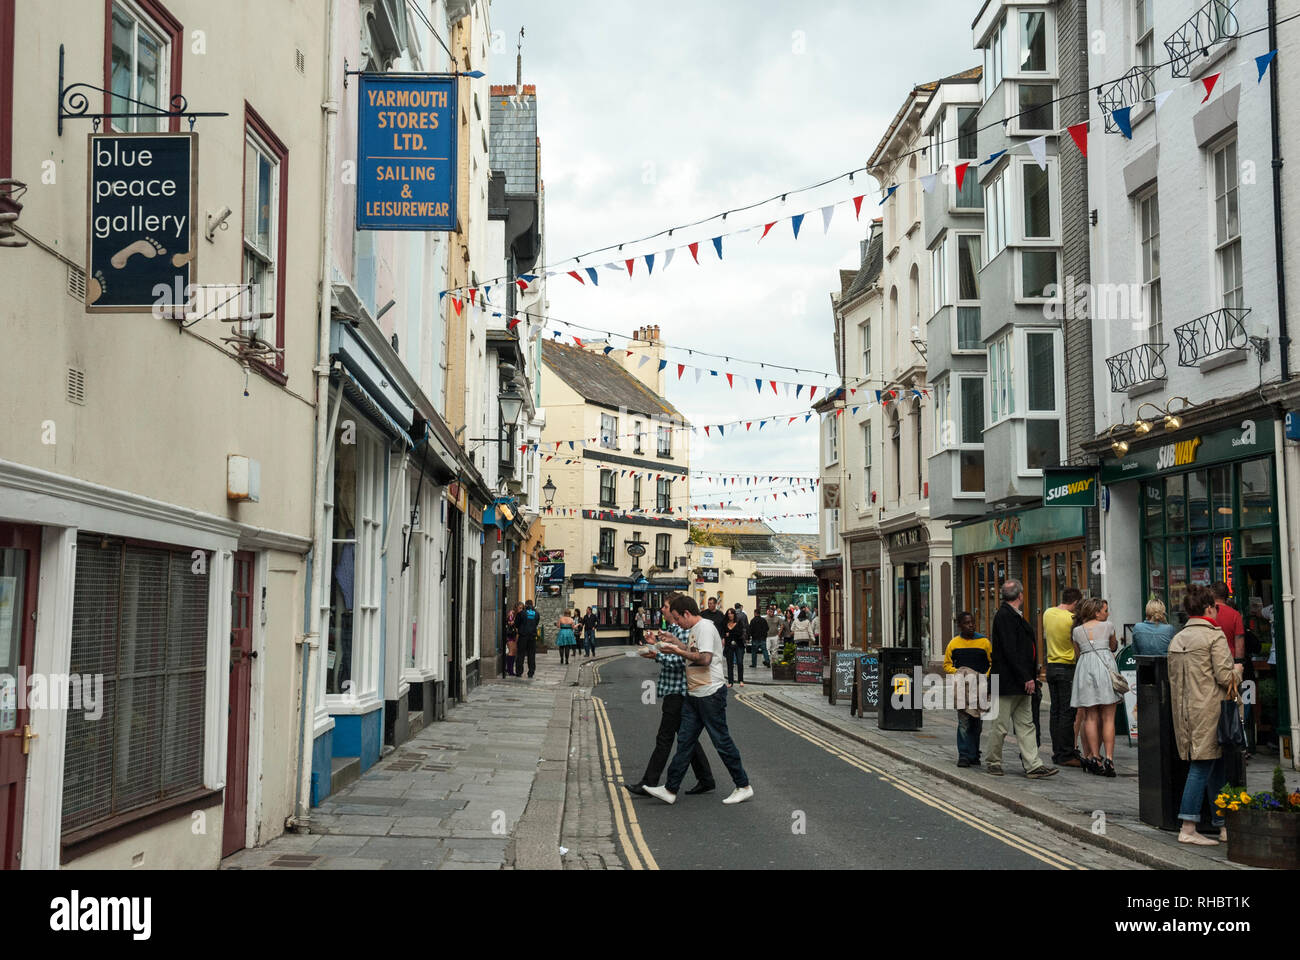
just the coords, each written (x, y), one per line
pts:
(1260, 838)
(780, 672)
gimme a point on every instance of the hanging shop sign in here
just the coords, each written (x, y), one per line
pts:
(551, 556)
(1251, 438)
(707, 575)
(551, 573)
(406, 153)
(1069, 487)
(141, 238)
(751, 587)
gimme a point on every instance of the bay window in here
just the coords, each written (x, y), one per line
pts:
(939, 276)
(1043, 400)
(1002, 369)
(944, 427)
(1036, 111)
(1033, 42)
(1037, 193)
(969, 263)
(995, 213)
(1039, 274)
(970, 196)
(970, 438)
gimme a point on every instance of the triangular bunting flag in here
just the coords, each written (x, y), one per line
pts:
(706, 432)
(668, 256)
(827, 213)
(812, 392)
(649, 263)
(798, 389)
(797, 222)
(1209, 83)
(773, 383)
(473, 294)
(698, 374)
(1079, 133)
(577, 276)
(681, 368)
(458, 304)
(766, 230)
(608, 351)
(695, 251)
(717, 245)
(759, 385)
(644, 360)
(1263, 63)
(1161, 97)
(993, 158)
(591, 272)
(729, 381)
(663, 364)
(960, 173)
(1038, 147)
(857, 207)
(888, 193)
(929, 181)
(514, 322)
(1124, 120)
(629, 266)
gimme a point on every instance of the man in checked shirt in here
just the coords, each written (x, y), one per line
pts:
(671, 690)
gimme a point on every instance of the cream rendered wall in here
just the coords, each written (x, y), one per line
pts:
(181, 844)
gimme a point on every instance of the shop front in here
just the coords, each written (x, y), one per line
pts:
(1196, 508)
(919, 577)
(616, 599)
(830, 602)
(1042, 547)
(863, 608)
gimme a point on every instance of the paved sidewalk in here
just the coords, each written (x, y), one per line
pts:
(1069, 801)
(455, 796)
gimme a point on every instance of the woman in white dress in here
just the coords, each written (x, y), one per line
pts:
(1094, 693)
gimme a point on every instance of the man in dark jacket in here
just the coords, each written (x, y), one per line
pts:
(758, 630)
(528, 623)
(1015, 667)
(715, 616)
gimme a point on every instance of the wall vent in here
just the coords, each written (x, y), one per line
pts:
(76, 284)
(76, 386)
(300, 62)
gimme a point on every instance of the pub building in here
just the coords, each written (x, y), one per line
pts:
(1197, 506)
(1042, 547)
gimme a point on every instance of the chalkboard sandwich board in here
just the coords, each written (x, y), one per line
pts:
(843, 671)
(868, 681)
(808, 665)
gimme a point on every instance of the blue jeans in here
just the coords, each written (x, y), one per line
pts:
(968, 736)
(1205, 779)
(753, 655)
(700, 714)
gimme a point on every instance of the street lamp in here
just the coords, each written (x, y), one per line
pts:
(512, 404)
(549, 491)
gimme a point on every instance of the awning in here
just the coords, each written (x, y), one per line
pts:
(361, 398)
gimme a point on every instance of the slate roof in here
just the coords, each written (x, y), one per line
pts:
(870, 271)
(603, 381)
(512, 138)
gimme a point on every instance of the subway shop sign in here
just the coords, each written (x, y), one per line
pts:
(141, 238)
(1069, 487)
(1243, 441)
(406, 153)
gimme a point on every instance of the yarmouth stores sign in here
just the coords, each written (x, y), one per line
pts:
(1069, 487)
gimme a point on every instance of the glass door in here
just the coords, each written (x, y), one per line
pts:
(1256, 601)
(19, 571)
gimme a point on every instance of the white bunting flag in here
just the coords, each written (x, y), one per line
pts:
(1161, 98)
(827, 213)
(698, 373)
(668, 257)
(644, 360)
(1038, 147)
(616, 267)
(928, 182)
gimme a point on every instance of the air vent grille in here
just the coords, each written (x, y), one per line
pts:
(76, 386)
(300, 61)
(76, 284)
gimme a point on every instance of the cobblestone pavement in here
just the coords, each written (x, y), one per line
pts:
(448, 799)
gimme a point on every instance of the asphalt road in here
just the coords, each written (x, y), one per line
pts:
(816, 804)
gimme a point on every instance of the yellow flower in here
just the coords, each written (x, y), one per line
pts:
(1234, 806)
(1245, 797)
(1221, 803)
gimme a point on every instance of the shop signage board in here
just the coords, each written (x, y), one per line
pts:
(864, 553)
(868, 682)
(808, 665)
(551, 556)
(844, 670)
(1126, 663)
(751, 587)
(141, 239)
(406, 153)
(1251, 438)
(551, 573)
(1039, 525)
(707, 575)
(1069, 487)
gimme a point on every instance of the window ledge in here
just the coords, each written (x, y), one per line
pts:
(1146, 389)
(89, 839)
(1225, 359)
(271, 373)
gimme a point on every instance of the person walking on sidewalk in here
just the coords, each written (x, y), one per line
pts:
(1201, 676)
(968, 656)
(512, 637)
(758, 640)
(1094, 692)
(589, 632)
(715, 616)
(1063, 721)
(1015, 665)
(735, 640)
(528, 622)
(705, 706)
(565, 639)
(803, 630)
(671, 690)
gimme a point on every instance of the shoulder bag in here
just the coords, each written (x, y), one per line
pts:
(1117, 682)
(1230, 731)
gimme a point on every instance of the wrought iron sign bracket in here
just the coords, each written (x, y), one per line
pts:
(75, 105)
(472, 74)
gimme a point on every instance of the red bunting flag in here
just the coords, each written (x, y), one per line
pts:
(748, 425)
(577, 341)
(523, 285)
(857, 207)
(695, 251)
(473, 291)
(629, 267)
(1080, 134)
(812, 392)
(577, 276)
(960, 172)
(630, 352)
(792, 420)
(1209, 82)
(458, 304)
(680, 368)
(773, 383)
(514, 322)
(767, 229)
(729, 381)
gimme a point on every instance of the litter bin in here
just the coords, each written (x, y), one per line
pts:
(1162, 773)
(899, 668)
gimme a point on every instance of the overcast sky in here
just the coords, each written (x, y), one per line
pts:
(656, 116)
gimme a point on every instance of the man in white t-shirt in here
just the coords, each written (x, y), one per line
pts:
(705, 707)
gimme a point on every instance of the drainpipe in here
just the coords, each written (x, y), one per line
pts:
(1283, 339)
(325, 425)
(1286, 455)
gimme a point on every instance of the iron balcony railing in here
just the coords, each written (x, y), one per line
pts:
(1145, 363)
(1133, 88)
(1212, 334)
(1213, 23)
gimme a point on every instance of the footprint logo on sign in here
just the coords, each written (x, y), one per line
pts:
(148, 248)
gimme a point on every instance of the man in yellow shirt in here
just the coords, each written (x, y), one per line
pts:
(1058, 624)
(974, 652)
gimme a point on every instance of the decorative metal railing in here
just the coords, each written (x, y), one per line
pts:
(1143, 364)
(1212, 334)
(1129, 90)
(1213, 23)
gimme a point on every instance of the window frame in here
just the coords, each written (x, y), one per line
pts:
(1021, 237)
(939, 279)
(636, 491)
(1021, 296)
(1143, 37)
(1147, 244)
(664, 495)
(664, 551)
(273, 145)
(960, 303)
(1232, 245)
(664, 450)
(609, 431)
(995, 214)
(832, 440)
(163, 24)
(867, 464)
(7, 20)
(961, 445)
(864, 334)
(1017, 112)
(605, 559)
(609, 499)
(637, 446)
(1057, 413)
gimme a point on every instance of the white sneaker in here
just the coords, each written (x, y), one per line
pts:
(739, 795)
(662, 793)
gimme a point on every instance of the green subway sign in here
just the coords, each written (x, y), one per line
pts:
(1069, 487)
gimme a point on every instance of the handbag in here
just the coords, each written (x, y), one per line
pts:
(1230, 732)
(1117, 681)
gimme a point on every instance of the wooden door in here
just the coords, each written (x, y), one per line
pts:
(20, 550)
(241, 687)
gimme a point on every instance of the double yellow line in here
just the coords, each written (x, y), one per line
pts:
(997, 833)
(635, 850)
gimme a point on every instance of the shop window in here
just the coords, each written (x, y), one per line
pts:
(1154, 508)
(1257, 543)
(1256, 493)
(1198, 500)
(1175, 505)
(1221, 494)
(140, 621)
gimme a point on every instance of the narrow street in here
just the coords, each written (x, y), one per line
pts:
(820, 799)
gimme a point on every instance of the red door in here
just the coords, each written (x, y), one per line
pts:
(241, 684)
(20, 550)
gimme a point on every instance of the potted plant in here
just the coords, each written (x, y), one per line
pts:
(1263, 828)
(783, 665)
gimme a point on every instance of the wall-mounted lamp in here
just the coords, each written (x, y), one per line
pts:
(1118, 447)
(1142, 427)
(1174, 421)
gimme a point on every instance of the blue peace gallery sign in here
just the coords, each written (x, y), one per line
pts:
(406, 153)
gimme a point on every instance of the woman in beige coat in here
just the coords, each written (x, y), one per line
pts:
(1201, 673)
